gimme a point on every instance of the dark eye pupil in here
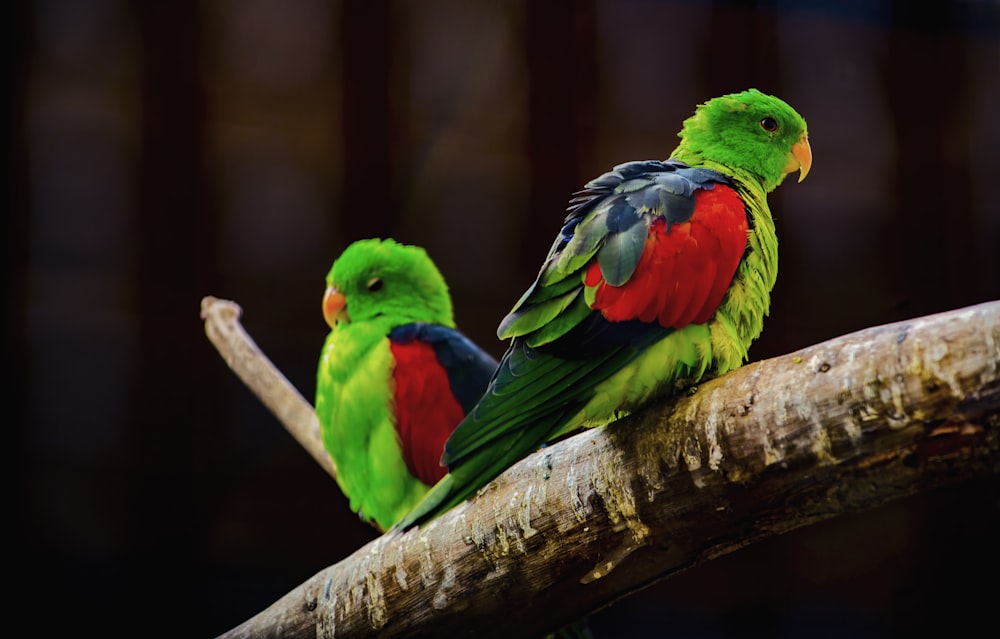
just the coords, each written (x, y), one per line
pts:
(375, 284)
(769, 124)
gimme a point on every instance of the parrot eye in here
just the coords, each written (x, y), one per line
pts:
(375, 284)
(769, 124)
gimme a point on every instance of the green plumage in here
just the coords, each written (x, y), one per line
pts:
(387, 284)
(573, 379)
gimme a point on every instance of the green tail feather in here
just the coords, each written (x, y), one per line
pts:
(453, 489)
(438, 499)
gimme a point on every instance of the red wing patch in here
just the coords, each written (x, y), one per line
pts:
(683, 272)
(426, 411)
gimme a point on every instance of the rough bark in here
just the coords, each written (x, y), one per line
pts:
(839, 427)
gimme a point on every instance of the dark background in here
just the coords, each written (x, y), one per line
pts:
(164, 151)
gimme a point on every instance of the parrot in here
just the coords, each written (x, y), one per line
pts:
(394, 377)
(660, 277)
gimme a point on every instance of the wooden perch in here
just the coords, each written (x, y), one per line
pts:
(223, 328)
(839, 427)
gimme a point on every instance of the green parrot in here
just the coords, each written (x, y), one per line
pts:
(394, 376)
(660, 277)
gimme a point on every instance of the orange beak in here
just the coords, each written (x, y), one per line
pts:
(802, 158)
(334, 307)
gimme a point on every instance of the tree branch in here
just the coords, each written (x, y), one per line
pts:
(838, 427)
(237, 348)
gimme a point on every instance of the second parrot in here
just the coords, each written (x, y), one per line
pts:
(394, 378)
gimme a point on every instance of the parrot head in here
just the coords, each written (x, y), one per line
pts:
(748, 135)
(385, 281)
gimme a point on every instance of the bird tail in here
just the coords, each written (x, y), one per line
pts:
(435, 501)
(454, 488)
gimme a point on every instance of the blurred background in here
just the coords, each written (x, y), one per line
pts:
(164, 151)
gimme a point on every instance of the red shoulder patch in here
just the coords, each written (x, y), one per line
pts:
(684, 271)
(426, 411)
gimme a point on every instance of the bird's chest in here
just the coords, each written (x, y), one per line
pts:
(357, 368)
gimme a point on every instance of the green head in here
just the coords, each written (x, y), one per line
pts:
(749, 135)
(384, 281)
